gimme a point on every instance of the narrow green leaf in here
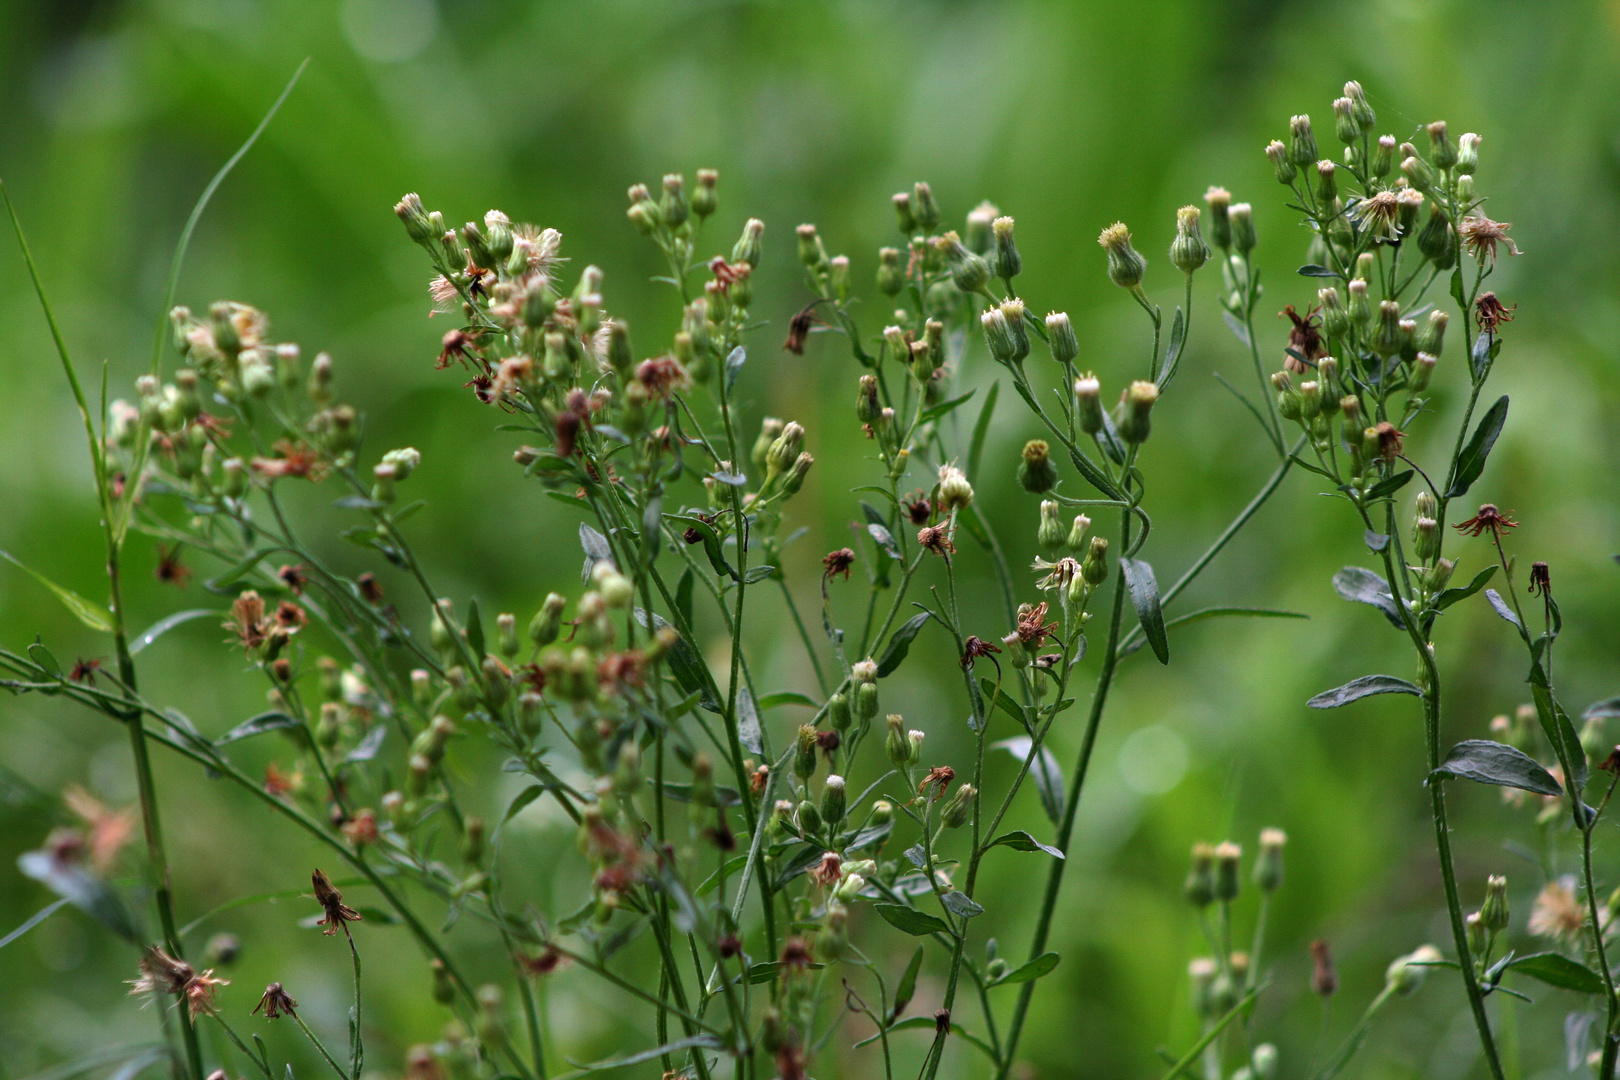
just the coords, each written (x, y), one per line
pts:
(915, 1022)
(1145, 596)
(945, 407)
(734, 365)
(96, 618)
(1019, 840)
(1217, 613)
(1362, 586)
(900, 644)
(1356, 689)
(911, 921)
(749, 733)
(702, 1041)
(1472, 460)
(1239, 331)
(163, 626)
(786, 697)
(1313, 270)
(906, 988)
(475, 630)
(1389, 485)
(1172, 351)
(1607, 709)
(45, 659)
(1041, 965)
(1556, 969)
(683, 595)
(258, 725)
(41, 915)
(1451, 596)
(1489, 762)
(981, 428)
(1048, 776)
(369, 744)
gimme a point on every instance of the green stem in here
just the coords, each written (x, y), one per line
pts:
(320, 1046)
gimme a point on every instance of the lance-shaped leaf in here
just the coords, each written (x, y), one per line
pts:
(80, 888)
(961, 904)
(906, 989)
(911, 921)
(1362, 586)
(96, 618)
(1037, 967)
(1451, 596)
(900, 644)
(1555, 969)
(1045, 771)
(749, 732)
(1145, 596)
(258, 725)
(1489, 762)
(1472, 460)
(1356, 689)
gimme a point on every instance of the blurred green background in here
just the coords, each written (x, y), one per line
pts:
(1068, 116)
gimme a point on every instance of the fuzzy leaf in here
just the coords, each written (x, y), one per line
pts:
(1145, 595)
(96, 618)
(1172, 351)
(1362, 586)
(1356, 689)
(1472, 460)
(1376, 541)
(1313, 270)
(786, 697)
(684, 662)
(884, 539)
(734, 365)
(911, 921)
(1489, 762)
(961, 904)
(748, 729)
(1048, 776)
(900, 644)
(1238, 329)
(1451, 596)
(1500, 607)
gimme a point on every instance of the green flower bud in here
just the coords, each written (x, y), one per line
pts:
(960, 807)
(417, 224)
(866, 701)
(1361, 311)
(1418, 173)
(895, 746)
(832, 801)
(1494, 912)
(1327, 182)
(784, 450)
(804, 753)
(1094, 568)
(1243, 234)
(1200, 887)
(1088, 403)
(1036, 473)
(770, 429)
(1431, 335)
(808, 818)
(838, 714)
(1281, 163)
(979, 228)
(748, 247)
(902, 212)
(1227, 878)
(706, 199)
(1133, 418)
(1202, 972)
(1187, 250)
(1441, 150)
(1388, 337)
(1008, 264)
(1407, 973)
(1051, 534)
(444, 987)
(969, 272)
(924, 209)
(955, 493)
(1125, 265)
(1344, 121)
(1219, 201)
(1384, 156)
(1436, 240)
(793, 479)
(1467, 154)
(998, 335)
(1268, 867)
(1302, 146)
(1060, 338)
(1264, 1059)
(891, 275)
(867, 405)
(547, 622)
(1076, 539)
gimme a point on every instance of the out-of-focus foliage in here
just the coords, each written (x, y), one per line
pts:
(113, 116)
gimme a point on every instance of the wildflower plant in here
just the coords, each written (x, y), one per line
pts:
(761, 858)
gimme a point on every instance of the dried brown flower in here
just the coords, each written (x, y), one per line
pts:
(838, 562)
(1540, 580)
(827, 872)
(276, 1002)
(163, 974)
(1305, 344)
(1487, 519)
(84, 671)
(294, 577)
(1490, 313)
(936, 539)
(1324, 979)
(939, 778)
(1033, 629)
(170, 570)
(369, 589)
(543, 963)
(337, 912)
(918, 508)
(976, 647)
(247, 621)
(1480, 235)
(1390, 439)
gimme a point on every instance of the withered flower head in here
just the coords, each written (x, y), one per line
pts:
(544, 963)
(795, 955)
(337, 912)
(936, 539)
(362, 829)
(827, 872)
(1390, 439)
(1480, 235)
(1540, 580)
(976, 647)
(1033, 629)
(1611, 764)
(1324, 979)
(294, 577)
(663, 376)
(1305, 344)
(1557, 913)
(1058, 574)
(939, 778)
(163, 974)
(84, 671)
(276, 1002)
(369, 589)
(1488, 519)
(109, 829)
(455, 346)
(918, 508)
(1490, 312)
(247, 620)
(289, 617)
(828, 741)
(837, 562)
(170, 570)
(758, 778)
(799, 329)
(1378, 215)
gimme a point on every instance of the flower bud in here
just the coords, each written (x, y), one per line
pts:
(924, 209)
(1060, 338)
(1125, 265)
(417, 225)
(1302, 146)
(1344, 121)
(1036, 473)
(808, 818)
(1243, 234)
(838, 714)
(1076, 539)
(1219, 201)
(891, 276)
(955, 493)
(1227, 857)
(1202, 973)
(1187, 250)
(1050, 534)
(1133, 418)
(1388, 337)
(895, 746)
(1008, 263)
(1467, 154)
(1264, 1062)
(674, 207)
(1200, 886)
(866, 701)
(902, 212)
(1094, 568)
(979, 229)
(969, 272)
(914, 743)
(705, 200)
(1088, 403)
(544, 627)
(1013, 310)
(793, 479)
(1281, 163)
(1383, 156)
(959, 807)
(1418, 173)
(1494, 912)
(1431, 336)
(867, 405)
(1441, 150)
(832, 801)
(1407, 973)
(1436, 240)
(1268, 867)
(784, 450)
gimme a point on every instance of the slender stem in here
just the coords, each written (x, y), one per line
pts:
(357, 1051)
(320, 1046)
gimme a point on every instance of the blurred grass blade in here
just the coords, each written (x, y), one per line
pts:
(163, 626)
(89, 614)
(1184, 1065)
(38, 917)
